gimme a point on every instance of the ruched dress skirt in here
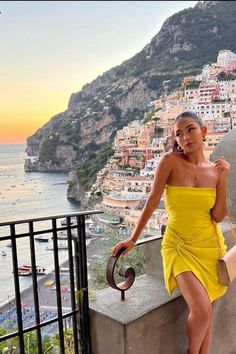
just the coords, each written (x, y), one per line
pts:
(189, 242)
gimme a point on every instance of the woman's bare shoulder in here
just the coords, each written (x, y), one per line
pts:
(170, 155)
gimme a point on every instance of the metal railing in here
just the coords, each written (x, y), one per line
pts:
(74, 228)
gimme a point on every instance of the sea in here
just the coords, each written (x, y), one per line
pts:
(27, 195)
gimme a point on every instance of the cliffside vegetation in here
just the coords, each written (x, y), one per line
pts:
(48, 149)
(87, 170)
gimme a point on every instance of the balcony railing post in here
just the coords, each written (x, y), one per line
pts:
(58, 286)
(35, 287)
(83, 250)
(82, 284)
(17, 289)
(72, 284)
(78, 289)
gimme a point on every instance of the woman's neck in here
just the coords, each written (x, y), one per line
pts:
(195, 158)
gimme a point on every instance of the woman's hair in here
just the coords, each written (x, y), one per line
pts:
(186, 114)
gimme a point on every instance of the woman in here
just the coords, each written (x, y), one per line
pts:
(195, 199)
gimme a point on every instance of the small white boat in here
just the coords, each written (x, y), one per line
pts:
(27, 270)
(3, 253)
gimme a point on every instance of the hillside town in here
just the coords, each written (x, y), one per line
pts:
(125, 181)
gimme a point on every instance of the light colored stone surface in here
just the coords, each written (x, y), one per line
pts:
(107, 334)
(227, 148)
(146, 294)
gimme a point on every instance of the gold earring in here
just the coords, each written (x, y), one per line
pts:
(204, 138)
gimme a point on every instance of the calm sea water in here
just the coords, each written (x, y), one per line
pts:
(25, 195)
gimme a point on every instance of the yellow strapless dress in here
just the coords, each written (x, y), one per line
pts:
(189, 242)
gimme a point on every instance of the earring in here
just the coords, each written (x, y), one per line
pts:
(179, 148)
(204, 138)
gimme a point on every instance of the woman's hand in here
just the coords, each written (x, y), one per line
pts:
(127, 244)
(222, 167)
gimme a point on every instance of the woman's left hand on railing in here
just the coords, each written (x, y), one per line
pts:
(127, 244)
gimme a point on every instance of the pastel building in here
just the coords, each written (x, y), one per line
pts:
(191, 95)
(209, 110)
(187, 80)
(158, 218)
(138, 184)
(150, 167)
(112, 184)
(169, 114)
(222, 125)
(225, 57)
(144, 139)
(212, 139)
(209, 122)
(208, 92)
(232, 88)
(115, 204)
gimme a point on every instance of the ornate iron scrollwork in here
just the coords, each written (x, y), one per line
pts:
(127, 272)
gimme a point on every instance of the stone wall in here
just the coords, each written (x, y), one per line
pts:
(227, 148)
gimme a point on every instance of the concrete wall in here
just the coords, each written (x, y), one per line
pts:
(149, 321)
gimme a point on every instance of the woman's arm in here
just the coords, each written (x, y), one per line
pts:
(219, 211)
(162, 174)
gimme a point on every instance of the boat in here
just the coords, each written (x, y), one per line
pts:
(41, 238)
(3, 253)
(24, 272)
(27, 270)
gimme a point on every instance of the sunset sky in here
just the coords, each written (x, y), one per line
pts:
(51, 49)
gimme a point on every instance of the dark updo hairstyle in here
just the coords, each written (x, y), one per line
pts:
(186, 114)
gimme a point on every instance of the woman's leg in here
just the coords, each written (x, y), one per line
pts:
(200, 310)
(207, 340)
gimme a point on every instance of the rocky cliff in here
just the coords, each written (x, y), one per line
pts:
(186, 41)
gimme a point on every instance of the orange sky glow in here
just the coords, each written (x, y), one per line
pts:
(49, 50)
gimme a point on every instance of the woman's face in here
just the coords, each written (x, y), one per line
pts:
(189, 134)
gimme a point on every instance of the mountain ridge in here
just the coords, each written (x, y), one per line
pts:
(122, 93)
